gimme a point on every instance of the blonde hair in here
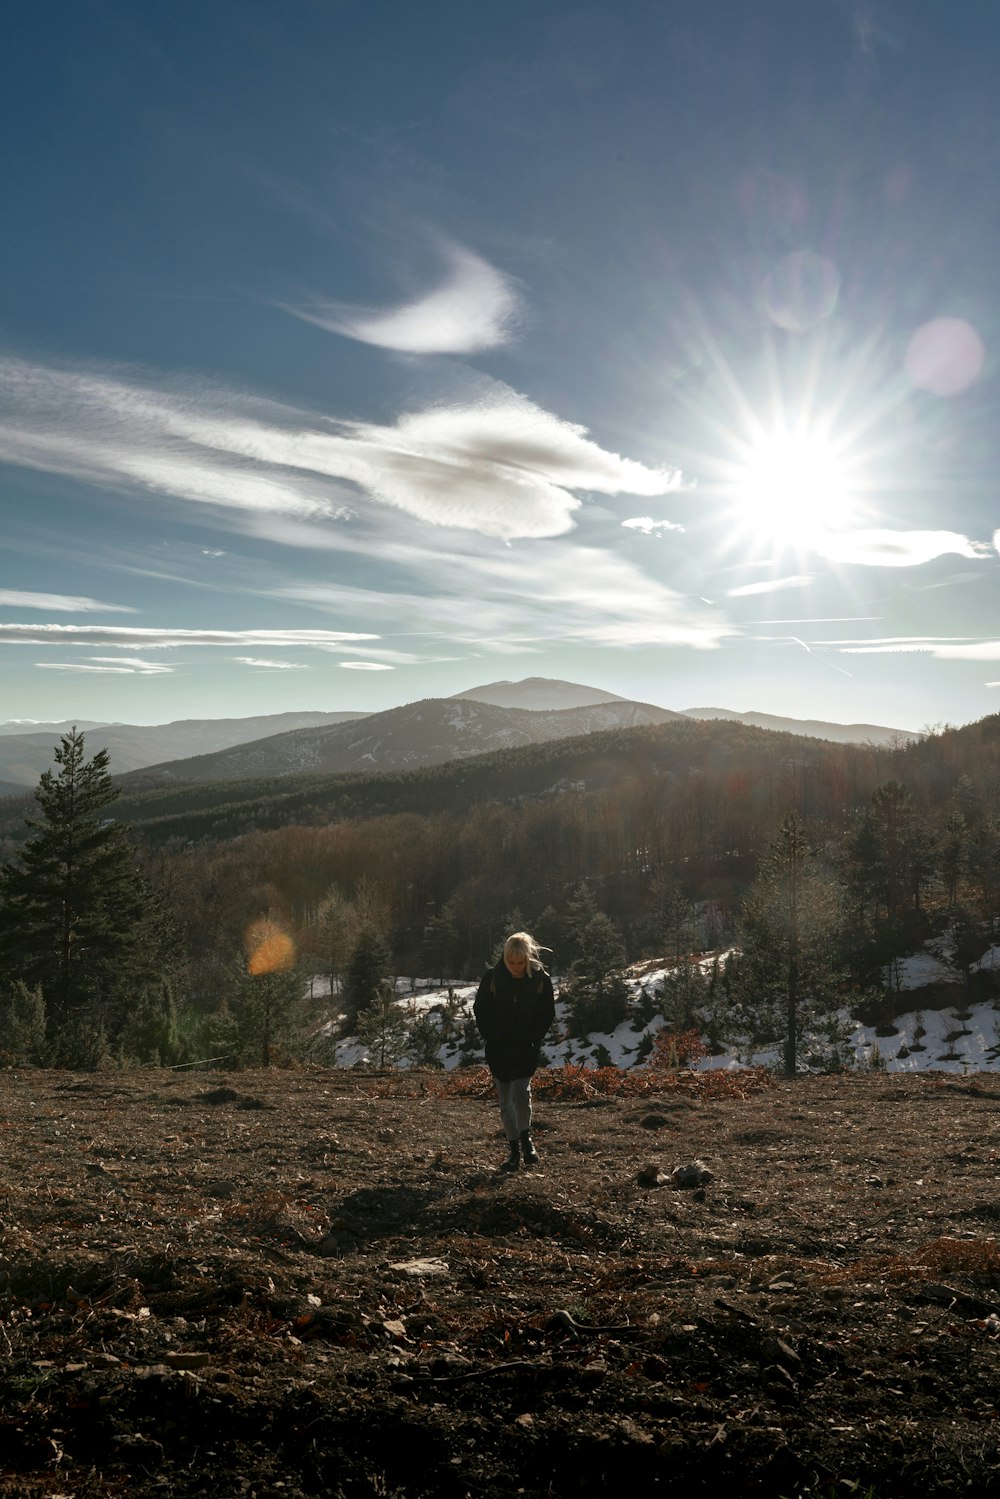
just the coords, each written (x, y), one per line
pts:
(524, 943)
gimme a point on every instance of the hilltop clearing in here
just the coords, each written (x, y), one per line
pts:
(316, 1283)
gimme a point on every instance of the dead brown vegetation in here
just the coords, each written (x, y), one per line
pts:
(316, 1283)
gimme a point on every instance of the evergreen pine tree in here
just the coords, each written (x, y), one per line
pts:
(271, 992)
(22, 1023)
(383, 1027)
(78, 920)
(675, 917)
(598, 992)
(684, 995)
(332, 935)
(580, 910)
(424, 1039)
(438, 951)
(954, 854)
(267, 1006)
(786, 982)
(369, 968)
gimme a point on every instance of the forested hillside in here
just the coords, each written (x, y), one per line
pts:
(696, 765)
(673, 838)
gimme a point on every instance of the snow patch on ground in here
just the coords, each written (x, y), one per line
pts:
(960, 1038)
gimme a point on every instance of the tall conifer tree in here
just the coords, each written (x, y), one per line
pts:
(78, 920)
(786, 980)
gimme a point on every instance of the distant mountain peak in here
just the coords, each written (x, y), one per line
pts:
(540, 694)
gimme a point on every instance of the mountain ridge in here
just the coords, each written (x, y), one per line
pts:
(524, 710)
(23, 757)
(811, 728)
(431, 731)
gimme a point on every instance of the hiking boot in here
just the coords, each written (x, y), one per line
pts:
(528, 1150)
(513, 1160)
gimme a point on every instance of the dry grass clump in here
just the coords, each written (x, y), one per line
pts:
(949, 1256)
(578, 1082)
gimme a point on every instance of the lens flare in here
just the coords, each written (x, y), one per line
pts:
(945, 356)
(269, 948)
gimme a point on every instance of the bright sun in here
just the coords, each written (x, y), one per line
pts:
(790, 488)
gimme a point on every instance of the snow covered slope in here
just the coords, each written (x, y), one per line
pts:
(956, 1039)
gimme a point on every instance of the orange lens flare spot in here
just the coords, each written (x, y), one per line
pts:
(269, 949)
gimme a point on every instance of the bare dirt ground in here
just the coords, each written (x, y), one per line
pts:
(316, 1283)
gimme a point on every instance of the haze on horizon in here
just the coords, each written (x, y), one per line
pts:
(354, 355)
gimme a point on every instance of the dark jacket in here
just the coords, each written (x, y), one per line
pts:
(513, 1016)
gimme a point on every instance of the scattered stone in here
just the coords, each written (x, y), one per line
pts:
(187, 1360)
(335, 1246)
(420, 1267)
(652, 1176)
(777, 1351)
(221, 1189)
(219, 1095)
(694, 1174)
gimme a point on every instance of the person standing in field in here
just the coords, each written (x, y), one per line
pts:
(514, 1007)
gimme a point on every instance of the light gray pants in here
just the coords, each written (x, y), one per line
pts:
(515, 1106)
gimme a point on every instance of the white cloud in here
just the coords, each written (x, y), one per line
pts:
(140, 669)
(476, 307)
(909, 647)
(896, 548)
(943, 647)
(556, 591)
(769, 585)
(650, 527)
(60, 603)
(497, 464)
(128, 638)
(366, 666)
(270, 665)
(983, 650)
(393, 658)
(144, 668)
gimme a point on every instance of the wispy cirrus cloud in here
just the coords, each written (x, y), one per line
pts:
(769, 585)
(390, 657)
(109, 666)
(365, 666)
(944, 647)
(556, 592)
(981, 650)
(264, 665)
(496, 463)
(896, 548)
(59, 603)
(130, 638)
(475, 307)
(134, 663)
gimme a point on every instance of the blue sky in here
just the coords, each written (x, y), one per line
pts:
(357, 353)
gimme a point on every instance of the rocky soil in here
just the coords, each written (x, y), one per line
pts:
(317, 1283)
